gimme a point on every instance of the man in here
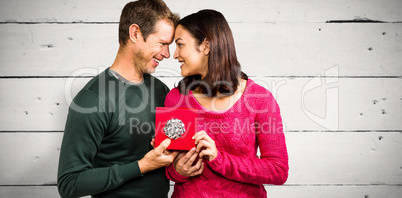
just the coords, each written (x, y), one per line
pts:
(106, 149)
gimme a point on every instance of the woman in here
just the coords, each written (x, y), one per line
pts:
(236, 116)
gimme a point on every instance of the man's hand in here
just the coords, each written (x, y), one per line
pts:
(184, 164)
(158, 157)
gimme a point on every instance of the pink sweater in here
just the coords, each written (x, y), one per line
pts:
(254, 121)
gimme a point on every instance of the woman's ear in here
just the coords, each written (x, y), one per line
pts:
(205, 43)
(135, 33)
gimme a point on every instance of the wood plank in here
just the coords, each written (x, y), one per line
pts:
(272, 191)
(36, 47)
(343, 158)
(306, 104)
(338, 103)
(234, 10)
(269, 49)
(309, 50)
(349, 158)
(29, 158)
(27, 102)
(29, 191)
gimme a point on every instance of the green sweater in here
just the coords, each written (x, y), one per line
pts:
(109, 128)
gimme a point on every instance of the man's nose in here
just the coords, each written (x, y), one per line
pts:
(165, 52)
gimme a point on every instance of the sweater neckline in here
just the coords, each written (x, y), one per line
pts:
(121, 80)
(219, 114)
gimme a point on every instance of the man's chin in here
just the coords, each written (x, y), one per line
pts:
(149, 71)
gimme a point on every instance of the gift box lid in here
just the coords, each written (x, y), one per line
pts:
(178, 124)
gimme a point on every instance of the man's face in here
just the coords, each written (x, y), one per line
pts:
(155, 48)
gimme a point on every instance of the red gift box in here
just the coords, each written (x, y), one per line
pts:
(167, 117)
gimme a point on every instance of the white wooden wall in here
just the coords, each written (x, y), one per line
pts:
(335, 68)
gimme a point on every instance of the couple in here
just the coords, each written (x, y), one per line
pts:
(105, 150)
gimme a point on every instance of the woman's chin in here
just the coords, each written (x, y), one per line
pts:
(184, 74)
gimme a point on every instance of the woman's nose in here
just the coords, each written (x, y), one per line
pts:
(176, 54)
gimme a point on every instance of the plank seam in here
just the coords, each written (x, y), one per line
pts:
(267, 185)
(287, 131)
(292, 77)
(237, 22)
(364, 20)
(344, 131)
(61, 23)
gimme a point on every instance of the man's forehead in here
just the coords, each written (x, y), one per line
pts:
(164, 31)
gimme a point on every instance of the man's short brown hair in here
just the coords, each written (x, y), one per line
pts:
(144, 13)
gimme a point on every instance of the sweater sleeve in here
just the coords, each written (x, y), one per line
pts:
(174, 176)
(272, 166)
(86, 122)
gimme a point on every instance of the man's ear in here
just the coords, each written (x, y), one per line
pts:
(205, 43)
(135, 33)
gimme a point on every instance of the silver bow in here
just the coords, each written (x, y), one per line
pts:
(174, 128)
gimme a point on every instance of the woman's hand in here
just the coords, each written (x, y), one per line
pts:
(184, 164)
(205, 145)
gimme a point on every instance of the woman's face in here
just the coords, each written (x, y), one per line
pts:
(193, 58)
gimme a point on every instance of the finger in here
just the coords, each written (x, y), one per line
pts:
(202, 167)
(202, 153)
(174, 154)
(166, 152)
(203, 136)
(192, 159)
(162, 147)
(199, 171)
(153, 142)
(179, 156)
(203, 143)
(199, 138)
(198, 164)
(187, 156)
(199, 134)
(170, 155)
(194, 168)
(206, 153)
(200, 145)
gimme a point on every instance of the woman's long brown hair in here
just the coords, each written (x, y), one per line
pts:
(224, 69)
